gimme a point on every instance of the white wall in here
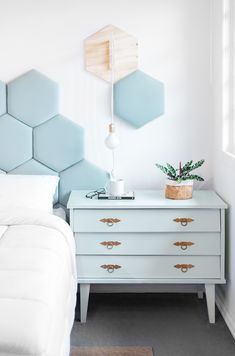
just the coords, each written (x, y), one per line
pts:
(224, 175)
(174, 44)
(174, 38)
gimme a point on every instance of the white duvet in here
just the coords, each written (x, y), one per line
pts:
(37, 284)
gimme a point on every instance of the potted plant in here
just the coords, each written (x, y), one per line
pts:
(179, 184)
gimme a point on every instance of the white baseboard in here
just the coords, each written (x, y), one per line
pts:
(224, 312)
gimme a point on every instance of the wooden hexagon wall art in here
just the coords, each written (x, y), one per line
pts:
(97, 53)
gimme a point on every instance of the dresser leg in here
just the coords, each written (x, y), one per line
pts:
(200, 294)
(84, 298)
(210, 299)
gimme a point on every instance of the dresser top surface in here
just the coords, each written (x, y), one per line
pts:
(148, 199)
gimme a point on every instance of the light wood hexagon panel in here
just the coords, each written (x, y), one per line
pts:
(97, 53)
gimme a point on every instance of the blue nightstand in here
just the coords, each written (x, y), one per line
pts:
(149, 240)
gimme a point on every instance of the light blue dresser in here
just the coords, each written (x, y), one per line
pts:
(149, 240)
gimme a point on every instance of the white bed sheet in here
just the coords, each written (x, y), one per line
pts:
(37, 284)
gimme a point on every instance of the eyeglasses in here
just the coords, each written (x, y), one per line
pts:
(95, 193)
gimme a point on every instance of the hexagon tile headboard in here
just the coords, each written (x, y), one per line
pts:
(36, 139)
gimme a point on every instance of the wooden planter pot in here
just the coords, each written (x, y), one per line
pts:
(179, 191)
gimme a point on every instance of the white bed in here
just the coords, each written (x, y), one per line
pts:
(39, 147)
(37, 284)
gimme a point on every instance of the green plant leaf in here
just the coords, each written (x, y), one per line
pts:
(197, 164)
(195, 177)
(162, 168)
(171, 170)
(187, 166)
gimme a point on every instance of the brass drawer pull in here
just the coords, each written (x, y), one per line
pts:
(110, 244)
(184, 244)
(110, 221)
(183, 221)
(110, 268)
(184, 267)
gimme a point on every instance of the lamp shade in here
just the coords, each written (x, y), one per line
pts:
(112, 140)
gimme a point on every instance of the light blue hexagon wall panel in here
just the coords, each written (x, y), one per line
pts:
(33, 98)
(15, 142)
(3, 107)
(83, 175)
(33, 167)
(35, 139)
(61, 149)
(138, 98)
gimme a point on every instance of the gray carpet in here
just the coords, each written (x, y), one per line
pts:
(173, 324)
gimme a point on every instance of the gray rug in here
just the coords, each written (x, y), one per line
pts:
(111, 351)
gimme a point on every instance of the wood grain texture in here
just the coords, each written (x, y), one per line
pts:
(179, 192)
(97, 53)
(111, 351)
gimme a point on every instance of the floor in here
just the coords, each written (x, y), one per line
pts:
(173, 324)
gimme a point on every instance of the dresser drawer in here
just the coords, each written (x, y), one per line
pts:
(148, 267)
(148, 243)
(147, 220)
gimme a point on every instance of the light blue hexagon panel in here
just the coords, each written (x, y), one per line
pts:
(138, 98)
(15, 142)
(59, 143)
(83, 175)
(39, 141)
(34, 167)
(33, 98)
(3, 104)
